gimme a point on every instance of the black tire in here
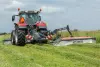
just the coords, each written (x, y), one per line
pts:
(13, 37)
(20, 38)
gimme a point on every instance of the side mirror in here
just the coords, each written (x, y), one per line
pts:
(13, 17)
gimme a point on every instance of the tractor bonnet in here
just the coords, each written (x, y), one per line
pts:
(41, 24)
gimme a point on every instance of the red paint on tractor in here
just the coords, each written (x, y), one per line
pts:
(21, 24)
(41, 24)
(29, 37)
(49, 37)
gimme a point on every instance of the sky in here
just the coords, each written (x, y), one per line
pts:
(78, 14)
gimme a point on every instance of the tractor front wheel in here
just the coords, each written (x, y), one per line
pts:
(13, 37)
(20, 38)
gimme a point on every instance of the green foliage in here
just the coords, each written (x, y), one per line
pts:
(82, 55)
(46, 55)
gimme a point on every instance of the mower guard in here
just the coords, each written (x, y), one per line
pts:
(73, 40)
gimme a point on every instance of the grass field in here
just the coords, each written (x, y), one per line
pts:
(46, 55)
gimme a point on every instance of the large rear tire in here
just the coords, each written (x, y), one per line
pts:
(20, 38)
(13, 37)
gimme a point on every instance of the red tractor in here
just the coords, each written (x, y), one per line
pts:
(30, 28)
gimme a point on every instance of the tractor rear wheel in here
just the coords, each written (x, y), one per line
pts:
(20, 38)
(13, 37)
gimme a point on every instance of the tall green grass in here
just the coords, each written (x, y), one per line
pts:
(82, 55)
(46, 55)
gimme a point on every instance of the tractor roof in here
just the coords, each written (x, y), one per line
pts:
(21, 12)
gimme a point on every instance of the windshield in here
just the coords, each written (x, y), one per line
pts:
(31, 18)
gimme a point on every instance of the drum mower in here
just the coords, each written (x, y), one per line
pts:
(63, 41)
(30, 29)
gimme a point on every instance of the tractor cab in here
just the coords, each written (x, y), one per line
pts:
(30, 18)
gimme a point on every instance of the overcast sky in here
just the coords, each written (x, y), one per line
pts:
(79, 14)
